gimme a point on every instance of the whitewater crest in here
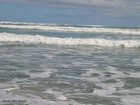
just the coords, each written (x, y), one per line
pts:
(36, 39)
(70, 28)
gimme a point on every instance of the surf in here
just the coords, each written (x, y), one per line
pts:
(38, 39)
(70, 28)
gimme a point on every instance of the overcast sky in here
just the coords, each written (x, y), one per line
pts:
(102, 12)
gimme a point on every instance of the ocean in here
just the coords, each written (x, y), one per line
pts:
(62, 64)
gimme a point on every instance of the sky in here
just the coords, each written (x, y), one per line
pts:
(93, 12)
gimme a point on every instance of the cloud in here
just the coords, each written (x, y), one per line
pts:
(106, 7)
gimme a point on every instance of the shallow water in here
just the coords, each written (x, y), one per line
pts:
(70, 75)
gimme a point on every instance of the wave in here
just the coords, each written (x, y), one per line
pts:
(68, 28)
(53, 24)
(37, 39)
(16, 23)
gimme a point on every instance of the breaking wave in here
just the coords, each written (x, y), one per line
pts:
(37, 39)
(70, 28)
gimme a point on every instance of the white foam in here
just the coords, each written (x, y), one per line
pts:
(135, 75)
(111, 68)
(40, 75)
(9, 37)
(129, 91)
(47, 72)
(77, 63)
(72, 29)
(130, 100)
(50, 56)
(59, 95)
(136, 60)
(108, 89)
(12, 88)
(62, 98)
(15, 23)
(31, 100)
(54, 24)
(103, 92)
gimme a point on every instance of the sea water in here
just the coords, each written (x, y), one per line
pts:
(50, 64)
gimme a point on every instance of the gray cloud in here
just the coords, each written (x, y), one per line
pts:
(109, 7)
(106, 7)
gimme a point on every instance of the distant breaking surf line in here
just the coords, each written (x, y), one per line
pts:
(73, 29)
(9, 37)
(26, 23)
